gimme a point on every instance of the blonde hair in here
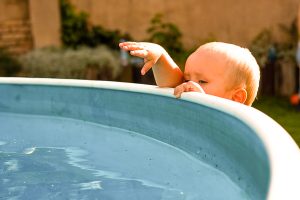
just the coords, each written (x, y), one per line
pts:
(242, 65)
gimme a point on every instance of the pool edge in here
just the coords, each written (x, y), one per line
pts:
(282, 151)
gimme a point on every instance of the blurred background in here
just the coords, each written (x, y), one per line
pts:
(78, 39)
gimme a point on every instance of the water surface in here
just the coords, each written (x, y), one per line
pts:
(58, 158)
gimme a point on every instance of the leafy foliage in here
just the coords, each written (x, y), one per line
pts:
(289, 46)
(76, 31)
(74, 26)
(285, 49)
(70, 63)
(166, 34)
(9, 66)
(260, 47)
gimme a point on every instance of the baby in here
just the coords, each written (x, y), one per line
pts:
(216, 68)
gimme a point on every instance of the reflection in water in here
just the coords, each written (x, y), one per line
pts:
(11, 165)
(63, 173)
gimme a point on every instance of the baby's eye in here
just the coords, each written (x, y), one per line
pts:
(202, 82)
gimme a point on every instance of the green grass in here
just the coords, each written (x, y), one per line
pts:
(282, 112)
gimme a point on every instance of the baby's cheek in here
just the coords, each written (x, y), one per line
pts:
(210, 89)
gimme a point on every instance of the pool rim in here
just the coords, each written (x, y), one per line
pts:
(284, 161)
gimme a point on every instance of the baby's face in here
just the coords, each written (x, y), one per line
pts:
(210, 71)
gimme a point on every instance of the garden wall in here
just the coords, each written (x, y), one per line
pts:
(25, 24)
(230, 21)
(15, 28)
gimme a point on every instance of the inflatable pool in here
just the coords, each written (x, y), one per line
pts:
(77, 139)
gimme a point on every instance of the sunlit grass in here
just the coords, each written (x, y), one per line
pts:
(282, 112)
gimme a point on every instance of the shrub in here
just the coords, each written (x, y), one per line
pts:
(166, 34)
(288, 48)
(260, 47)
(9, 66)
(76, 31)
(70, 63)
(74, 26)
(285, 49)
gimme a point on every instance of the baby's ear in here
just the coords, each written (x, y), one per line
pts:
(240, 95)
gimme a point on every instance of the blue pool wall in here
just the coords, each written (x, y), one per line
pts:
(216, 136)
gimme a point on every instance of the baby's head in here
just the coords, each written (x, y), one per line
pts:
(224, 70)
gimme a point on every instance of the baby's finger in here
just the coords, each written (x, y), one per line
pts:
(194, 87)
(186, 87)
(122, 44)
(179, 90)
(132, 46)
(139, 53)
(146, 67)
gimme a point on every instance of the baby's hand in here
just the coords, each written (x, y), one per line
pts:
(189, 86)
(150, 52)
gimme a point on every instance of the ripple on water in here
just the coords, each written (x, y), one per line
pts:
(29, 151)
(93, 185)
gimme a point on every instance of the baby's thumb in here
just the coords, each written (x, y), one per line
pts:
(146, 67)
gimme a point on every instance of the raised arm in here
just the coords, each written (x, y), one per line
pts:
(165, 70)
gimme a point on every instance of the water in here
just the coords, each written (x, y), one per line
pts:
(59, 158)
(49, 173)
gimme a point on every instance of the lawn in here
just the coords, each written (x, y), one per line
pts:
(282, 112)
